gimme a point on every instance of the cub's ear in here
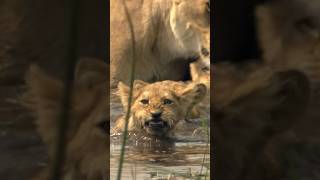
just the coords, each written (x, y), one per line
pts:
(90, 71)
(43, 97)
(41, 88)
(193, 94)
(123, 91)
(269, 38)
(138, 84)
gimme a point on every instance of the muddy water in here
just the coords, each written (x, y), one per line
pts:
(186, 156)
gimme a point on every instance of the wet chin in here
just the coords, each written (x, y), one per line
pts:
(155, 132)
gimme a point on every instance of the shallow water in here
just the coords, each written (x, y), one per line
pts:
(184, 157)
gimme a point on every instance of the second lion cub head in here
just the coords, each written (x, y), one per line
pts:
(156, 108)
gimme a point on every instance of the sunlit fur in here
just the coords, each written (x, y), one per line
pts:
(168, 36)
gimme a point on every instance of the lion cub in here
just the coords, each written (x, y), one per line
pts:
(200, 73)
(156, 108)
(86, 136)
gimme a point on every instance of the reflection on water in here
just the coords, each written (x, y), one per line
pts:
(184, 157)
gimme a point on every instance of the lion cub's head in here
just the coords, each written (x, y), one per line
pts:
(157, 107)
(86, 135)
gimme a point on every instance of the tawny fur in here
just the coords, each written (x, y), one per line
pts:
(168, 34)
(87, 134)
(289, 35)
(182, 95)
(200, 73)
(250, 110)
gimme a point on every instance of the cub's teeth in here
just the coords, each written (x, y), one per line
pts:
(159, 123)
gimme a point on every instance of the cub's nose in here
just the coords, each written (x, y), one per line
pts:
(156, 114)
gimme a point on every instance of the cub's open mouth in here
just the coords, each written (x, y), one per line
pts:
(156, 126)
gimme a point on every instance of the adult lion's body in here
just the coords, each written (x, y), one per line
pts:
(167, 37)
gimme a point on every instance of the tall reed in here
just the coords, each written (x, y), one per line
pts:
(132, 72)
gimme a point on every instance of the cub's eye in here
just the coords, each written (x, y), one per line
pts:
(205, 51)
(205, 69)
(167, 101)
(144, 101)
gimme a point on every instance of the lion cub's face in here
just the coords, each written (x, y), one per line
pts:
(200, 71)
(157, 107)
